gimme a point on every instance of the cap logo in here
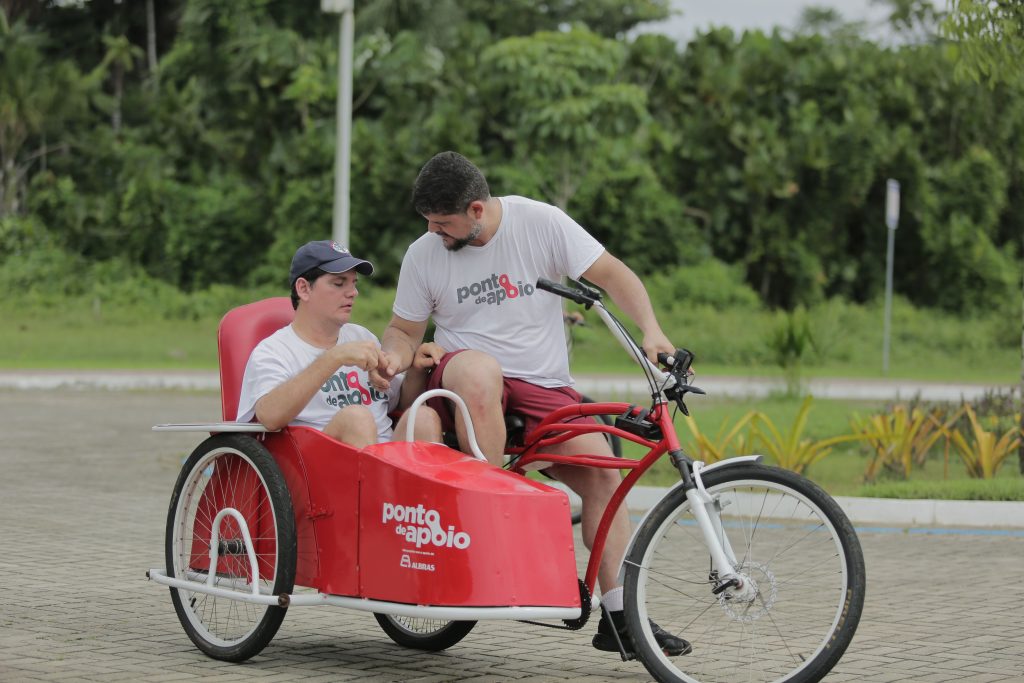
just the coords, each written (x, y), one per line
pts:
(338, 248)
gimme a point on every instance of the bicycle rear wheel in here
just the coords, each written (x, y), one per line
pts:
(790, 540)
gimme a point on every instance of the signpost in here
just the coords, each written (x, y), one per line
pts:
(343, 147)
(892, 218)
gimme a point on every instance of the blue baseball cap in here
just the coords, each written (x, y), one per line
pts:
(329, 257)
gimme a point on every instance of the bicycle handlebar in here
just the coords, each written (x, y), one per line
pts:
(586, 296)
(589, 297)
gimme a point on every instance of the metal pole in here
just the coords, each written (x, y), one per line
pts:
(892, 217)
(890, 250)
(342, 152)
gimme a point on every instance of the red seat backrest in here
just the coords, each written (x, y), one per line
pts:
(240, 330)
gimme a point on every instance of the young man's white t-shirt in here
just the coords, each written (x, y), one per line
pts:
(284, 354)
(485, 298)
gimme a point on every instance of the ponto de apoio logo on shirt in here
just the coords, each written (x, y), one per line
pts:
(493, 290)
(422, 526)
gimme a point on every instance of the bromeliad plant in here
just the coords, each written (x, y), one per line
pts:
(728, 441)
(900, 439)
(981, 450)
(792, 450)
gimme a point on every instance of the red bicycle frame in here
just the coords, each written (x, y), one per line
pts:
(554, 430)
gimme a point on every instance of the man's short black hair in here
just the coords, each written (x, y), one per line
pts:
(447, 185)
(309, 276)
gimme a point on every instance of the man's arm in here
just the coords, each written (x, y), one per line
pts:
(280, 405)
(427, 356)
(629, 294)
(399, 343)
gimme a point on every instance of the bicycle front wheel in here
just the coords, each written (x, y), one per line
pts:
(792, 545)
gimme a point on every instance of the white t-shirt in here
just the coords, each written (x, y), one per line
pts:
(283, 355)
(485, 298)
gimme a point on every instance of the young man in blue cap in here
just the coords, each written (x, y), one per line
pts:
(316, 371)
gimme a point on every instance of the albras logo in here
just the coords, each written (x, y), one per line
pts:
(493, 290)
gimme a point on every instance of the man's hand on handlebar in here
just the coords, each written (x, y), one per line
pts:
(656, 343)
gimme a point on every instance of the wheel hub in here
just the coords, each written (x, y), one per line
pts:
(756, 596)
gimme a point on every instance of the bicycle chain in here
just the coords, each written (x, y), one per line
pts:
(572, 624)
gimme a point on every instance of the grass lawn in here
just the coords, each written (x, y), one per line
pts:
(138, 326)
(83, 336)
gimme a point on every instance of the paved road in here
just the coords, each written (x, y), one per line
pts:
(83, 497)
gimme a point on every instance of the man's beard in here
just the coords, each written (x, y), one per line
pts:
(461, 242)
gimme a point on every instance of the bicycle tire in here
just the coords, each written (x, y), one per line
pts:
(230, 470)
(799, 549)
(432, 635)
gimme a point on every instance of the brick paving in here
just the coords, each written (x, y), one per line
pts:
(83, 499)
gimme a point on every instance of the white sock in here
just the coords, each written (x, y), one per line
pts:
(612, 600)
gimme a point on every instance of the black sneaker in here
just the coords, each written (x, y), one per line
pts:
(604, 639)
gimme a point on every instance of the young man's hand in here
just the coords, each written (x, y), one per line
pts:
(381, 376)
(364, 354)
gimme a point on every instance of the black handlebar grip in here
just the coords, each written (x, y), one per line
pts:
(666, 359)
(563, 291)
(547, 285)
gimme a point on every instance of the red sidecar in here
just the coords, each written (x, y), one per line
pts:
(428, 538)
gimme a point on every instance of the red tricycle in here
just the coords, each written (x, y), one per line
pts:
(756, 566)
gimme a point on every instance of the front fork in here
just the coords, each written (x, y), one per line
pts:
(708, 513)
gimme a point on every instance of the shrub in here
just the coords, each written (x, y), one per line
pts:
(899, 438)
(708, 283)
(791, 450)
(790, 343)
(982, 451)
(726, 442)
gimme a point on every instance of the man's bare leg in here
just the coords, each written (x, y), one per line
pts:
(353, 425)
(428, 426)
(476, 377)
(595, 487)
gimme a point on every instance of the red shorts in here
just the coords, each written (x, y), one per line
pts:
(530, 402)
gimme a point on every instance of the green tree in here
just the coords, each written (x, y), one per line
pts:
(39, 99)
(988, 40)
(566, 125)
(555, 102)
(120, 59)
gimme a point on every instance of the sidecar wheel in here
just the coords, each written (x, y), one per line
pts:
(424, 634)
(230, 471)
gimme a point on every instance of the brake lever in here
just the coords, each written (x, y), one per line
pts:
(592, 292)
(679, 391)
